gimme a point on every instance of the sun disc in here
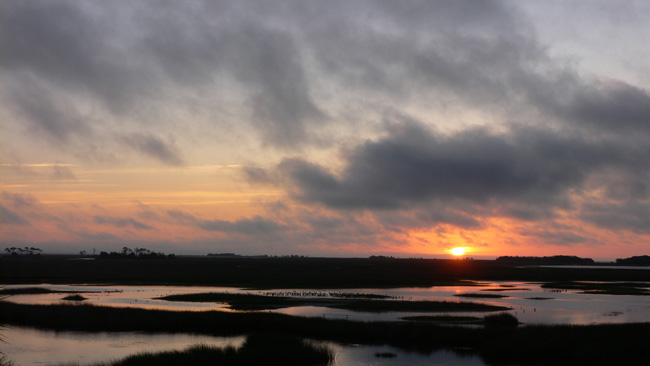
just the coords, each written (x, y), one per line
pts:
(458, 251)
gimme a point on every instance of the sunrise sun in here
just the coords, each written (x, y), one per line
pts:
(458, 251)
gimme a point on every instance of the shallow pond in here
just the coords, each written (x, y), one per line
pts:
(26, 346)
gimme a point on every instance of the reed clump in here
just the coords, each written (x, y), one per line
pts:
(259, 349)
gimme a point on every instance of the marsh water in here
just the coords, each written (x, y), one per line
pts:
(37, 347)
(529, 302)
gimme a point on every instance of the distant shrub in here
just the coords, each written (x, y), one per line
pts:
(639, 260)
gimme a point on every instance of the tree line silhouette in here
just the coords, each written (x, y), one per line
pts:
(15, 251)
(142, 253)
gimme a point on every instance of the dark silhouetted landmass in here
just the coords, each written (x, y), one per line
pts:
(305, 273)
(554, 260)
(35, 291)
(223, 255)
(640, 260)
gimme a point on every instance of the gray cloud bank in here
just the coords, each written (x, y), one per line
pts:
(311, 73)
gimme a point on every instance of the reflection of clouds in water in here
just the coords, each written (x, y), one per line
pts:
(31, 347)
(565, 307)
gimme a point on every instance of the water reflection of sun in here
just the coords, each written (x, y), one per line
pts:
(458, 251)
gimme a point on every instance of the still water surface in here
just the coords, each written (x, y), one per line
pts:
(27, 346)
(528, 301)
(531, 303)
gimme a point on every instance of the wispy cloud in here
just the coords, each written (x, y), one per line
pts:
(9, 217)
(154, 147)
(121, 222)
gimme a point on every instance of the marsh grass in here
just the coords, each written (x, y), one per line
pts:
(27, 291)
(605, 344)
(445, 319)
(75, 297)
(275, 273)
(500, 320)
(416, 306)
(484, 296)
(603, 288)
(4, 361)
(263, 302)
(35, 291)
(259, 349)
(509, 288)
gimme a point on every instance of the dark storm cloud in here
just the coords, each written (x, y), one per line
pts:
(71, 45)
(193, 50)
(632, 215)
(266, 61)
(123, 55)
(527, 172)
(559, 237)
(121, 222)
(120, 55)
(9, 217)
(154, 147)
(615, 106)
(46, 113)
(446, 216)
(283, 107)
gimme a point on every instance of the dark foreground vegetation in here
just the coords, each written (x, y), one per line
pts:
(590, 344)
(604, 288)
(482, 296)
(265, 302)
(277, 273)
(259, 349)
(498, 320)
(75, 297)
(29, 291)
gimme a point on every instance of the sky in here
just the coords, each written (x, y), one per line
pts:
(326, 128)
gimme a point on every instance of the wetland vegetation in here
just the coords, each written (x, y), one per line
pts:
(349, 302)
(560, 344)
(291, 273)
(606, 288)
(482, 296)
(496, 339)
(259, 349)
